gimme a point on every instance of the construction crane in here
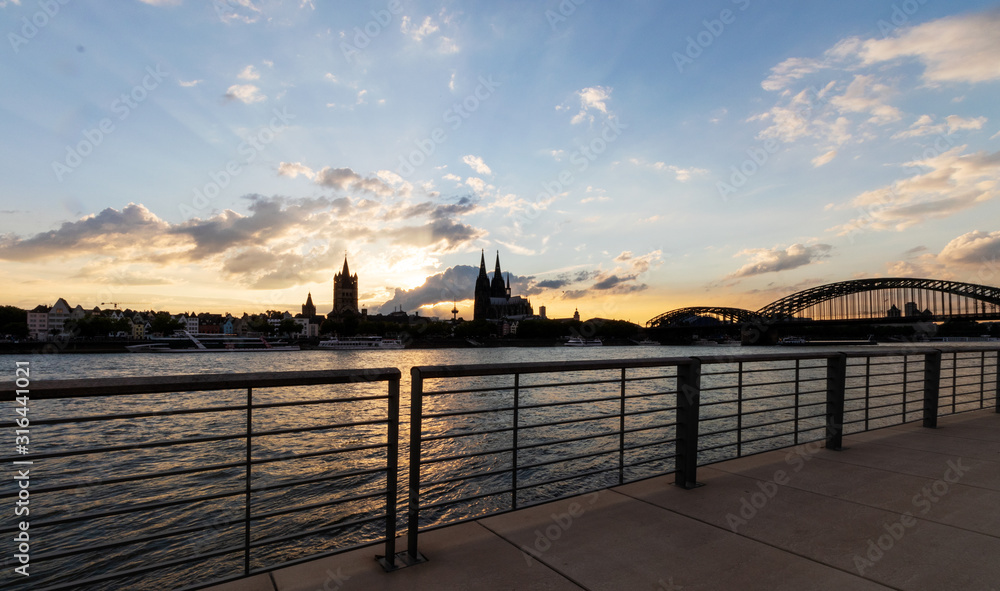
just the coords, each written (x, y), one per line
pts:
(116, 304)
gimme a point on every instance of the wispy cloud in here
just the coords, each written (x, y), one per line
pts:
(774, 260)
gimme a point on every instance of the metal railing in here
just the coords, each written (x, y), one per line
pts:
(204, 479)
(487, 439)
(207, 476)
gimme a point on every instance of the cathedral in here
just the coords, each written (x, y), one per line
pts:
(493, 299)
(345, 291)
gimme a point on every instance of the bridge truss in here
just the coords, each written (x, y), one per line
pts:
(861, 299)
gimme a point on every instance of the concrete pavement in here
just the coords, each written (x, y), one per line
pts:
(902, 508)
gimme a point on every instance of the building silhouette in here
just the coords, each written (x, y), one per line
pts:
(493, 300)
(345, 291)
(308, 308)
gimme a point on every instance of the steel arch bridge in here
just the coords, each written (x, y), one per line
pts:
(862, 299)
(686, 315)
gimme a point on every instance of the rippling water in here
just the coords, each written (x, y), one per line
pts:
(95, 468)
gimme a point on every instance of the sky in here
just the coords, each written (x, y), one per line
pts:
(624, 159)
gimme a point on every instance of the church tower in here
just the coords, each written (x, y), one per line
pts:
(482, 305)
(498, 289)
(345, 291)
(308, 308)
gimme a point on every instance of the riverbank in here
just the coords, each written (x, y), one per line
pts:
(119, 346)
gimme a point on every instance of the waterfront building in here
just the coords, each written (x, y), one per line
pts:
(345, 292)
(493, 300)
(38, 322)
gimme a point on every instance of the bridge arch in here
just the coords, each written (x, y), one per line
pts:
(887, 297)
(685, 315)
(860, 299)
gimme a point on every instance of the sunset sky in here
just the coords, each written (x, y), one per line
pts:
(625, 158)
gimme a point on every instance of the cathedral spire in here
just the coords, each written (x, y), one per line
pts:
(482, 263)
(346, 272)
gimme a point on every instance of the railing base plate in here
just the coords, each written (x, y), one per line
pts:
(688, 485)
(400, 560)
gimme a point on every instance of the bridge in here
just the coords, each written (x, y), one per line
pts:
(890, 300)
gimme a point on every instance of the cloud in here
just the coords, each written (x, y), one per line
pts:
(824, 158)
(249, 73)
(962, 48)
(866, 95)
(247, 93)
(345, 178)
(925, 125)
(954, 182)
(477, 164)
(973, 248)
(774, 260)
(242, 11)
(593, 98)
(294, 169)
(189, 83)
(867, 75)
(104, 233)
(455, 284)
(790, 70)
(681, 174)
(417, 33)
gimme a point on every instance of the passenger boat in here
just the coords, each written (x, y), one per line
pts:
(361, 343)
(190, 343)
(582, 342)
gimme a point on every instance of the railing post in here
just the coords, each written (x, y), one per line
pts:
(388, 561)
(688, 407)
(249, 483)
(836, 383)
(932, 388)
(413, 556)
(621, 433)
(996, 383)
(514, 439)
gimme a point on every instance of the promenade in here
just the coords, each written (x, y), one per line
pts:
(903, 508)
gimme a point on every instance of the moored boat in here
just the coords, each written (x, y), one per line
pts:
(209, 344)
(361, 343)
(582, 342)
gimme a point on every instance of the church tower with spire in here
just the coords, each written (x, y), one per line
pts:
(482, 302)
(494, 301)
(345, 291)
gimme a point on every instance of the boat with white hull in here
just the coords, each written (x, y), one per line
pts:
(210, 344)
(360, 343)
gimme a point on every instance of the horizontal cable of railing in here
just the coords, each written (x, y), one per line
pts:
(279, 465)
(541, 426)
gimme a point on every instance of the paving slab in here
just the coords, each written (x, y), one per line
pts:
(899, 550)
(609, 541)
(461, 557)
(868, 517)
